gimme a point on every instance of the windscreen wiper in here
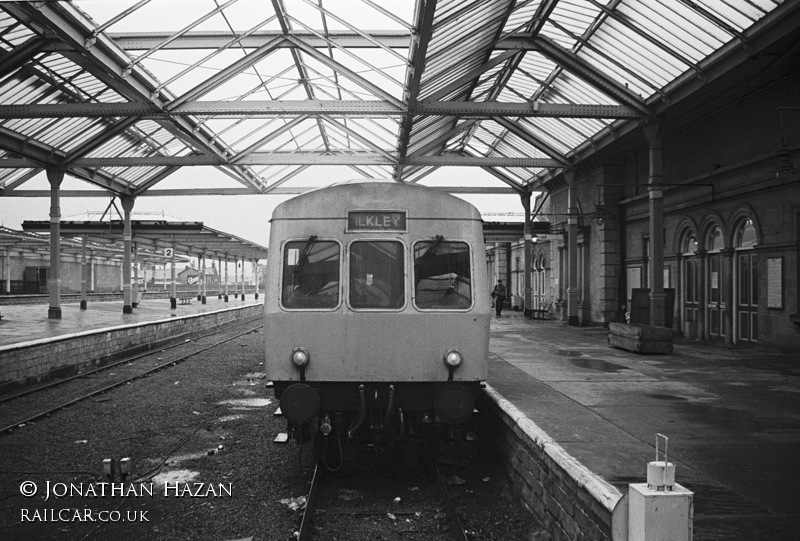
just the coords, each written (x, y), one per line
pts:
(303, 259)
(429, 252)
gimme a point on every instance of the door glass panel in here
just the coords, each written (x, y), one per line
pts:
(713, 278)
(376, 274)
(744, 325)
(744, 280)
(689, 288)
(715, 322)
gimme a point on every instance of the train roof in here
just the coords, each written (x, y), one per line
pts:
(375, 194)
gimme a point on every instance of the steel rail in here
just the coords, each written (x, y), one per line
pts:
(81, 398)
(455, 522)
(304, 534)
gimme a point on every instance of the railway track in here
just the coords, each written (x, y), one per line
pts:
(67, 392)
(380, 503)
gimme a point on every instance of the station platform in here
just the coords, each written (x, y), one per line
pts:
(732, 417)
(27, 322)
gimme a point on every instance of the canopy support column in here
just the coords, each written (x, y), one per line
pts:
(255, 270)
(135, 288)
(243, 262)
(219, 278)
(573, 293)
(655, 188)
(527, 246)
(7, 260)
(173, 301)
(55, 176)
(127, 238)
(226, 277)
(203, 277)
(84, 271)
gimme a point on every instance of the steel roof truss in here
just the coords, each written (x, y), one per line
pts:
(179, 33)
(225, 75)
(355, 30)
(270, 137)
(586, 72)
(531, 139)
(357, 136)
(347, 72)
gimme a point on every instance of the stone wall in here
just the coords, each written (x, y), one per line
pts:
(567, 499)
(27, 363)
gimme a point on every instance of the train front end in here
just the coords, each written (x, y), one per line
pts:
(377, 310)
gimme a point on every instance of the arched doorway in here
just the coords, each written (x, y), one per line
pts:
(746, 283)
(715, 284)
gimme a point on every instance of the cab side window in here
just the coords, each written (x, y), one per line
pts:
(310, 274)
(442, 278)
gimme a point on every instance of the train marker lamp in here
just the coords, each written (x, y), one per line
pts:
(300, 359)
(452, 360)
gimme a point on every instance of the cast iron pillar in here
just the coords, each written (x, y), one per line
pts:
(135, 287)
(203, 277)
(528, 245)
(55, 176)
(226, 277)
(573, 293)
(173, 300)
(655, 188)
(255, 271)
(83, 272)
(127, 238)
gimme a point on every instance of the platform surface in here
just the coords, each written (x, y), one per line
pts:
(25, 322)
(732, 417)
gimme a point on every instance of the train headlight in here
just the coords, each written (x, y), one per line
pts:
(453, 358)
(299, 357)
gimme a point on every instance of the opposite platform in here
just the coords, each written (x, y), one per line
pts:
(26, 322)
(732, 417)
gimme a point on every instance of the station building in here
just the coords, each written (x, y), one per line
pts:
(731, 216)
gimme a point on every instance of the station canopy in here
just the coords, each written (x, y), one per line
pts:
(32, 245)
(153, 238)
(122, 94)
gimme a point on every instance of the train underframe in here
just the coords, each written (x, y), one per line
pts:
(374, 413)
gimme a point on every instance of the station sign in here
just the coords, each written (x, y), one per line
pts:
(369, 220)
(545, 237)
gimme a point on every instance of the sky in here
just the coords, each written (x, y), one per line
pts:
(246, 216)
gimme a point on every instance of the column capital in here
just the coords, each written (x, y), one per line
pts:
(55, 175)
(127, 202)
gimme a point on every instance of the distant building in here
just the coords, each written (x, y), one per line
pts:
(190, 275)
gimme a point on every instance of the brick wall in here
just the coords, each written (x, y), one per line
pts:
(38, 360)
(567, 499)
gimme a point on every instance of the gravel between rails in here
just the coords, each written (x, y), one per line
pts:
(206, 420)
(179, 417)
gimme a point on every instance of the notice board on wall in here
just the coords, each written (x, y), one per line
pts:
(775, 282)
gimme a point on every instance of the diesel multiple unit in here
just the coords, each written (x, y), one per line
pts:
(377, 310)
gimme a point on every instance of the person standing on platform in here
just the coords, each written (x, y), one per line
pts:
(499, 295)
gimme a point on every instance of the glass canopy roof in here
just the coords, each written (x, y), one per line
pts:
(122, 94)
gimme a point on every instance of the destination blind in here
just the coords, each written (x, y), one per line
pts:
(361, 220)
